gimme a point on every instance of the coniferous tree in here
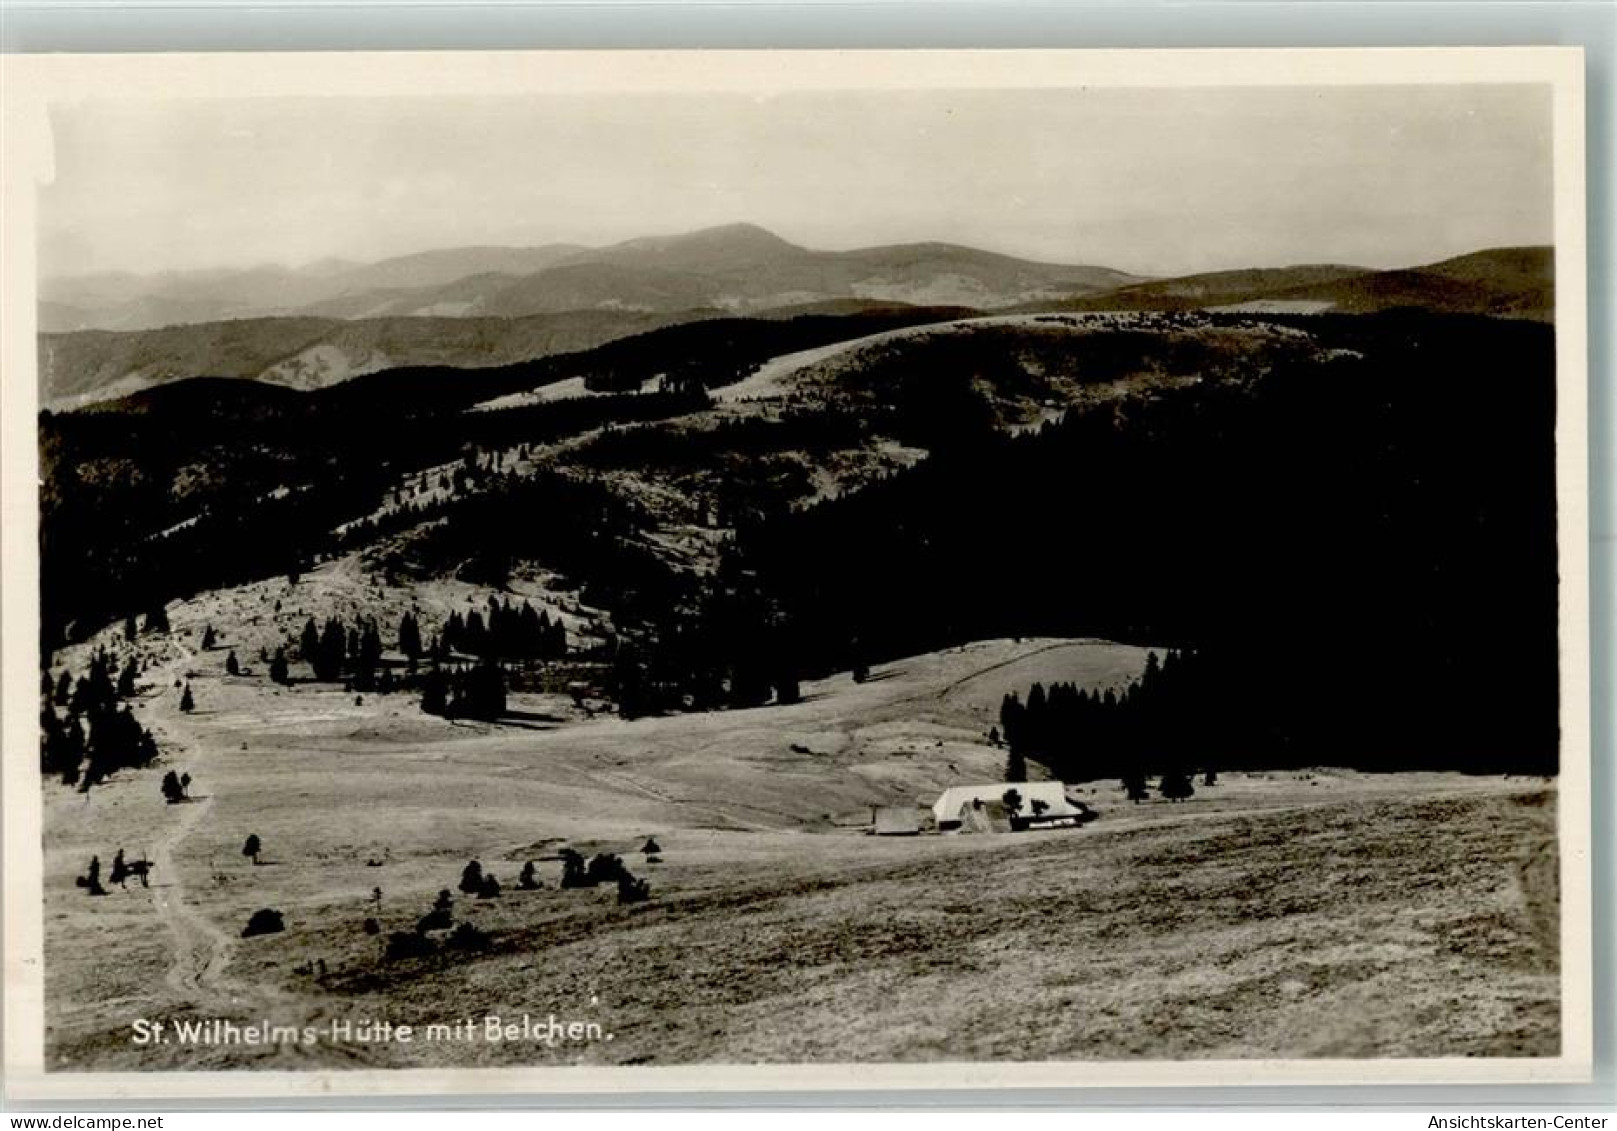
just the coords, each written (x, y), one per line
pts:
(572, 869)
(488, 698)
(475, 637)
(115, 741)
(146, 749)
(328, 657)
(1016, 767)
(231, 666)
(435, 693)
(58, 755)
(73, 746)
(1153, 672)
(471, 878)
(50, 729)
(439, 918)
(252, 848)
(91, 880)
(93, 691)
(749, 687)
(208, 638)
(410, 636)
(370, 645)
(1134, 783)
(278, 670)
(632, 890)
(534, 631)
(187, 703)
(1010, 720)
(1176, 785)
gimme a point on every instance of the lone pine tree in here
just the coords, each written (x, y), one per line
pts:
(410, 636)
(1015, 766)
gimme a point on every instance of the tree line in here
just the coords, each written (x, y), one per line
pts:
(87, 730)
(507, 631)
(1170, 721)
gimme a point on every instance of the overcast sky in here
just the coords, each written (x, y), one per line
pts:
(1151, 181)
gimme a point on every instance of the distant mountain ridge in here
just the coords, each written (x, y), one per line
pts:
(737, 268)
(419, 311)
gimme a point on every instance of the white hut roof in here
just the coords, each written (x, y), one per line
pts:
(1052, 793)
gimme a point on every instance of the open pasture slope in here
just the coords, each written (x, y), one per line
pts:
(1283, 914)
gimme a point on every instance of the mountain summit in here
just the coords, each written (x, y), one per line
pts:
(720, 248)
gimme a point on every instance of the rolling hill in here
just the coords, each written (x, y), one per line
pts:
(306, 353)
(1213, 288)
(1507, 282)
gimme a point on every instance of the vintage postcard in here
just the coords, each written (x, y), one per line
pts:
(666, 571)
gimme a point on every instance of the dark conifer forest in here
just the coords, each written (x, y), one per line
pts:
(1362, 550)
(1349, 551)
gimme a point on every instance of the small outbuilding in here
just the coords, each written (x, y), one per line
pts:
(896, 820)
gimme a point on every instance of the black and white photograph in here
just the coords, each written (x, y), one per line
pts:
(1048, 566)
